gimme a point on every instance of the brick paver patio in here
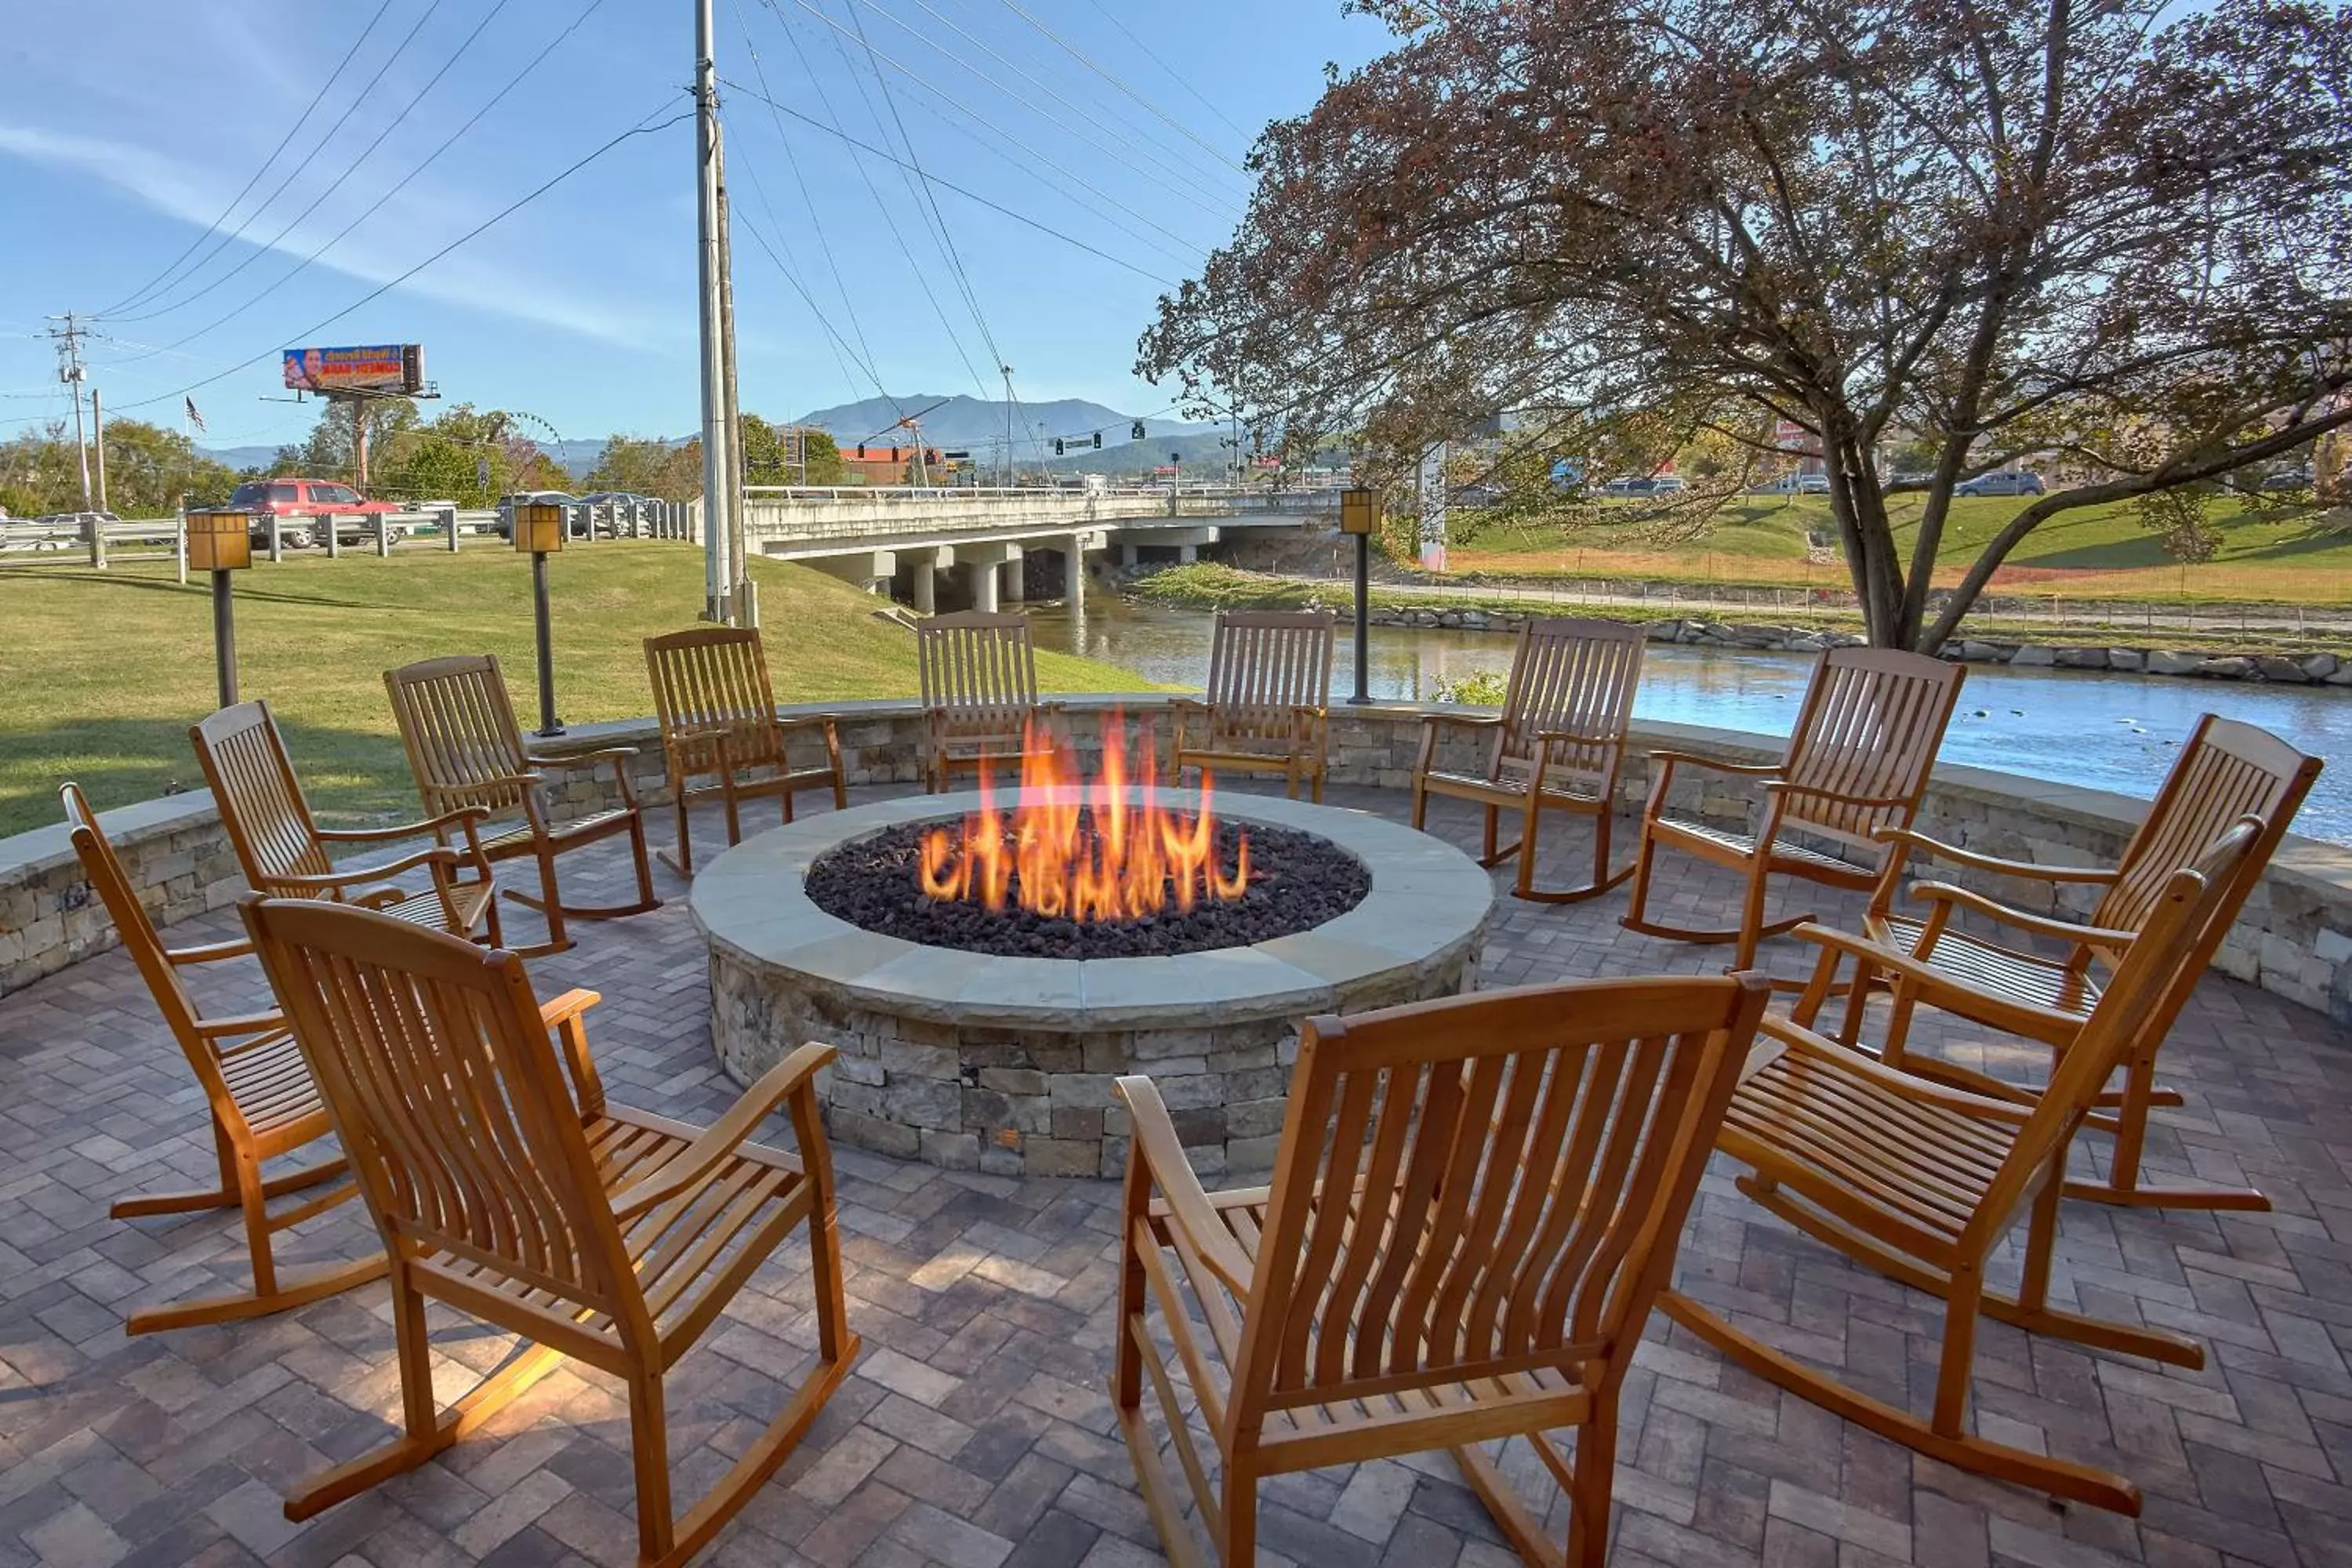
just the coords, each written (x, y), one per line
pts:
(977, 1429)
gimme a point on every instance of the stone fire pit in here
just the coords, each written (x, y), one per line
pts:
(1005, 1064)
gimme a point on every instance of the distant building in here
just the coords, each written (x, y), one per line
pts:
(891, 465)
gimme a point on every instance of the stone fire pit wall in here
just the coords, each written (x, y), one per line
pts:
(1006, 1065)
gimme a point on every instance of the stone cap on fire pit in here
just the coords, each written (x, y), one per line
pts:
(1428, 906)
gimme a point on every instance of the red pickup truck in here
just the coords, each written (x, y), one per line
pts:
(299, 503)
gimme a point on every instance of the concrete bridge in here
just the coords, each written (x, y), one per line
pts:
(901, 540)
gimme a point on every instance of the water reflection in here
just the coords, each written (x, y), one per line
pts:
(2106, 730)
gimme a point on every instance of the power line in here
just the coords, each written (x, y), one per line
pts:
(866, 176)
(448, 141)
(1225, 208)
(926, 206)
(1163, 115)
(947, 184)
(213, 227)
(358, 99)
(348, 169)
(554, 179)
(1039, 160)
(1178, 77)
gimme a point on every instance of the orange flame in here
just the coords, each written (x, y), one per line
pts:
(1137, 858)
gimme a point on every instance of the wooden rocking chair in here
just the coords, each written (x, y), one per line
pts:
(594, 1231)
(283, 851)
(1857, 761)
(2227, 770)
(261, 1098)
(1919, 1182)
(1557, 745)
(1474, 1203)
(718, 716)
(465, 748)
(1266, 706)
(979, 673)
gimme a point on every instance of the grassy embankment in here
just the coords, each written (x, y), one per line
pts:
(101, 673)
(1207, 586)
(2270, 556)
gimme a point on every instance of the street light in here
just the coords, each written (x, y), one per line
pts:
(221, 542)
(539, 528)
(1359, 514)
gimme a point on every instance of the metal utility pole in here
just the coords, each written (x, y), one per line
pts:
(1007, 372)
(70, 371)
(738, 607)
(716, 436)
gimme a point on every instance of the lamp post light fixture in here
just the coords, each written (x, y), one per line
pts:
(1359, 514)
(221, 542)
(539, 528)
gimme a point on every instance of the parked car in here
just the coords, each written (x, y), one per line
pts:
(287, 498)
(1797, 485)
(2287, 479)
(1912, 477)
(1630, 484)
(1667, 485)
(2001, 482)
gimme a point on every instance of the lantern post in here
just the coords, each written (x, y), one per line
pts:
(1359, 514)
(539, 529)
(220, 541)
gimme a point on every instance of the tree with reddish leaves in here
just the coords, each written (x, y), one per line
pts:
(2110, 234)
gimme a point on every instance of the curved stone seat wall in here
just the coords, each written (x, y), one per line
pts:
(2293, 938)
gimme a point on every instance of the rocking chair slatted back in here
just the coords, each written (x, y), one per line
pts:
(1506, 1186)
(1867, 737)
(2131, 1015)
(713, 682)
(144, 943)
(260, 800)
(979, 673)
(1572, 676)
(447, 1098)
(1264, 665)
(2227, 770)
(458, 726)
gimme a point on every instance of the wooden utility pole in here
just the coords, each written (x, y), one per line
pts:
(97, 441)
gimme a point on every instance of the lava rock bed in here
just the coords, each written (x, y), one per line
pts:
(1297, 881)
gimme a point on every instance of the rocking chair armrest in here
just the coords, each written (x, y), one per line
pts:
(2100, 937)
(240, 1024)
(1908, 839)
(1463, 720)
(1798, 1040)
(578, 759)
(462, 814)
(1162, 1153)
(1744, 770)
(1190, 704)
(569, 1006)
(209, 952)
(1868, 801)
(696, 1163)
(335, 881)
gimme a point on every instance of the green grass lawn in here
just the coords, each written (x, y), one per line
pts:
(102, 673)
(2273, 554)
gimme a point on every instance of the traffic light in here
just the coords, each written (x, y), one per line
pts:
(1058, 445)
(1137, 434)
(1097, 440)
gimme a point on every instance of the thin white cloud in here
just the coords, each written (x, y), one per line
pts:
(473, 276)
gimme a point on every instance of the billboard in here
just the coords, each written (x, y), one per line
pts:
(373, 367)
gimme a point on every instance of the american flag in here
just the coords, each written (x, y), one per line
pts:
(195, 419)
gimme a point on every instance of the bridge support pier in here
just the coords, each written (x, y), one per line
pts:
(985, 562)
(1073, 576)
(865, 568)
(1016, 587)
(922, 586)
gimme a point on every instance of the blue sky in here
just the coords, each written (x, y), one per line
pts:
(128, 126)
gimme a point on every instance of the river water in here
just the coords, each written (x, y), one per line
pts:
(2107, 731)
